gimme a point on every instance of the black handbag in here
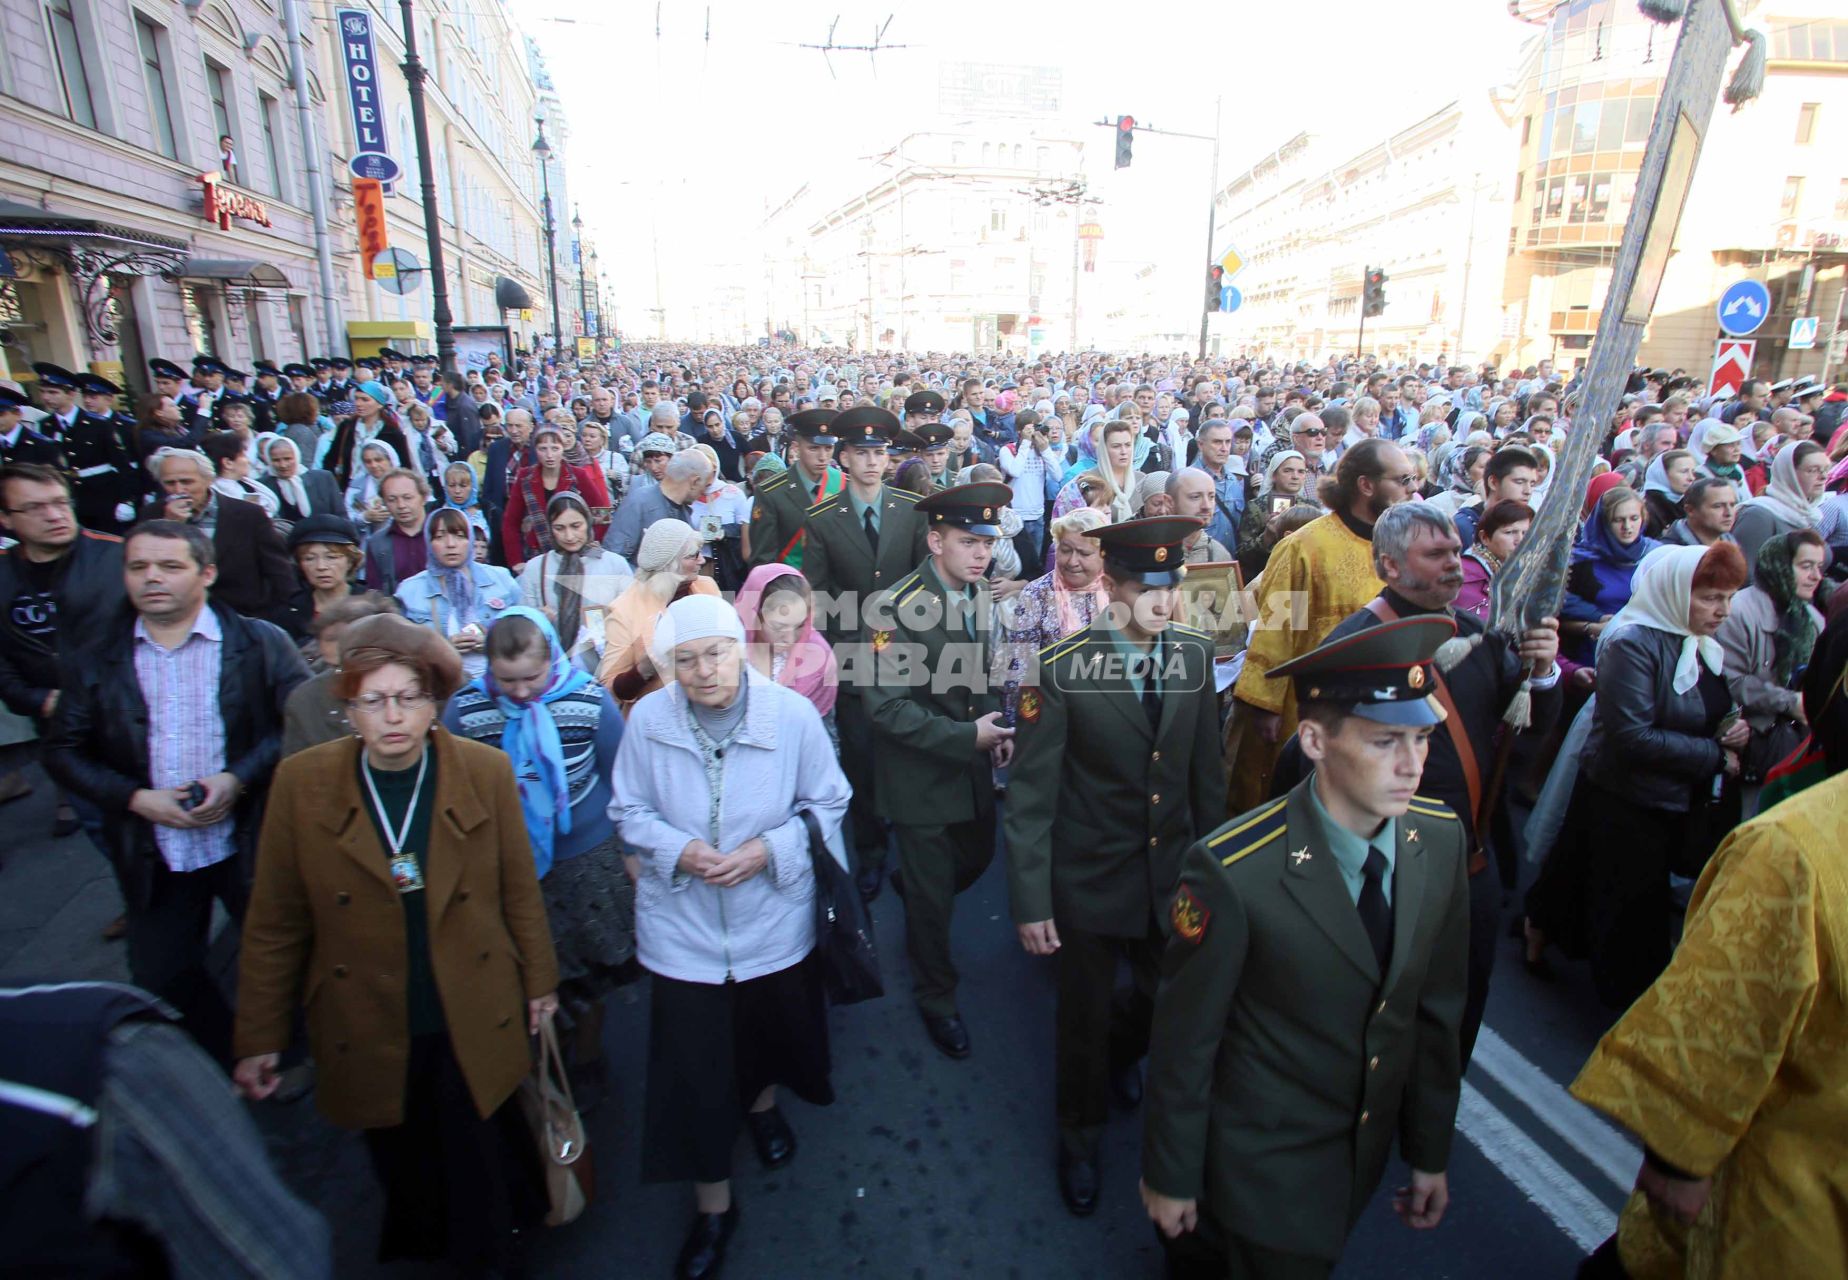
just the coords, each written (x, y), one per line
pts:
(844, 945)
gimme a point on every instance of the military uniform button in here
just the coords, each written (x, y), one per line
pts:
(1373, 1063)
(1382, 1008)
(1364, 1115)
(1152, 842)
(1154, 756)
(1156, 798)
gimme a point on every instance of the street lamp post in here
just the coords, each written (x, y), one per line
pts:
(577, 240)
(597, 276)
(440, 314)
(543, 150)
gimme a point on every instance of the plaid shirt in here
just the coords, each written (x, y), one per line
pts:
(186, 732)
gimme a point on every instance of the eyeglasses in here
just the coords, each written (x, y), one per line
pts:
(41, 508)
(1405, 481)
(1313, 431)
(373, 704)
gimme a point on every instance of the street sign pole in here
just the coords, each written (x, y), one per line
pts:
(1212, 206)
(414, 74)
(1360, 343)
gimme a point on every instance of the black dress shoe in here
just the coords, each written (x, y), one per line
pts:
(1126, 1086)
(1078, 1184)
(868, 880)
(776, 1141)
(703, 1254)
(948, 1034)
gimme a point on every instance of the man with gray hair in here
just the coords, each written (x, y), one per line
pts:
(255, 576)
(685, 477)
(1417, 554)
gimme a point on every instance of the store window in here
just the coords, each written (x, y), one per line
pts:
(254, 303)
(67, 53)
(121, 318)
(153, 74)
(195, 304)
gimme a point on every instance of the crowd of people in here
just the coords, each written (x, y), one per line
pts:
(473, 697)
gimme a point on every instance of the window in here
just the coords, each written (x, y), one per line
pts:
(1841, 201)
(150, 37)
(271, 112)
(997, 219)
(218, 85)
(67, 52)
(1792, 198)
(1527, 129)
(1806, 123)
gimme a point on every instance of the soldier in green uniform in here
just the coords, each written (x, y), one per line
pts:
(779, 516)
(923, 408)
(936, 713)
(1117, 769)
(859, 542)
(1313, 987)
(936, 437)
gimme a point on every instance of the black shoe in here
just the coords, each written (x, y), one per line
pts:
(776, 1141)
(703, 1254)
(1126, 1086)
(869, 879)
(948, 1034)
(1078, 1184)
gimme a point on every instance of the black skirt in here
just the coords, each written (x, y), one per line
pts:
(712, 1048)
(456, 1186)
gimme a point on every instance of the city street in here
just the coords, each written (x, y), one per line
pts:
(925, 1167)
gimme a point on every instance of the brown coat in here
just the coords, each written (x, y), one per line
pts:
(325, 927)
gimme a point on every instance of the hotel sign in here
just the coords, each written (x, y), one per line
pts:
(360, 61)
(224, 202)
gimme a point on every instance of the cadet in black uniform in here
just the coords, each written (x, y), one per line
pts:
(1117, 769)
(860, 541)
(101, 470)
(936, 712)
(18, 441)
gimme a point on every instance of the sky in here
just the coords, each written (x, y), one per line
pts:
(680, 140)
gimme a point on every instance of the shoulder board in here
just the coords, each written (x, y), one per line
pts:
(903, 495)
(1426, 807)
(776, 482)
(823, 505)
(93, 536)
(1189, 631)
(1064, 645)
(1252, 831)
(903, 587)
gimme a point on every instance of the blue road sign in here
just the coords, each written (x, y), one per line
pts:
(1230, 298)
(1743, 307)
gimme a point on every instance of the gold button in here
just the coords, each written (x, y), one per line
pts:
(1373, 1064)
(1151, 842)
(1155, 756)
(1364, 1115)
(1155, 799)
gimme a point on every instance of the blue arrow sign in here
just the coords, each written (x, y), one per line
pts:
(1230, 298)
(1743, 307)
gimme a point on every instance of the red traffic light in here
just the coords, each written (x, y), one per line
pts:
(1125, 123)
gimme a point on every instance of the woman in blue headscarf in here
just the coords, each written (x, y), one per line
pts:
(1610, 546)
(462, 491)
(560, 730)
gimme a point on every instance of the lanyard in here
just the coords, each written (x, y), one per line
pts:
(397, 838)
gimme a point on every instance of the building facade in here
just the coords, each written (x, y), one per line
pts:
(154, 188)
(938, 244)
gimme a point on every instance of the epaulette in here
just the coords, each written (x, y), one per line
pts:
(775, 482)
(1426, 807)
(823, 505)
(1064, 645)
(1254, 831)
(1195, 632)
(903, 589)
(904, 495)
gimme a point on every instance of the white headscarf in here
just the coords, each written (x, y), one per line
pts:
(1270, 470)
(694, 617)
(1661, 592)
(1784, 496)
(1552, 462)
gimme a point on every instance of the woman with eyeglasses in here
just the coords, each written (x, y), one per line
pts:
(396, 899)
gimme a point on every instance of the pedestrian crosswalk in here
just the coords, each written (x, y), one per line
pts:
(1580, 1193)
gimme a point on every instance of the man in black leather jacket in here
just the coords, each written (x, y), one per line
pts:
(98, 746)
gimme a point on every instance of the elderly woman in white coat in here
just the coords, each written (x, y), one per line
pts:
(714, 773)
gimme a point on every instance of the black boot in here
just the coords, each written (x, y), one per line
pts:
(774, 1139)
(702, 1256)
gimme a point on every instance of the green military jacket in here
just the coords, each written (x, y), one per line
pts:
(839, 562)
(778, 513)
(1100, 806)
(931, 681)
(1281, 1065)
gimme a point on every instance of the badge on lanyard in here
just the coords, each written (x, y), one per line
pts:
(406, 874)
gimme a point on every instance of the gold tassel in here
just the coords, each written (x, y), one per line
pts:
(1520, 713)
(1454, 650)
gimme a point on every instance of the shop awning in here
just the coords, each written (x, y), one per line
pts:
(28, 224)
(241, 270)
(511, 295)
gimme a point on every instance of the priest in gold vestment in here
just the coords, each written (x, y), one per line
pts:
(1316, 577)
(1733, 1067)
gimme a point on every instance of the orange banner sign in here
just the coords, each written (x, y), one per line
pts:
(369, 209)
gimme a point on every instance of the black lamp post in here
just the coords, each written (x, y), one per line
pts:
(577, 241)
(543, 150)
(440, 313)
(597, 275)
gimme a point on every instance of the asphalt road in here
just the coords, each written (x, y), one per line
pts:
(926, 1168)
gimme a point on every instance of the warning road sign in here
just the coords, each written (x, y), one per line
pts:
(1732, 365)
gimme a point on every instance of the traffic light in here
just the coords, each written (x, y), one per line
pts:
(1125, 139)
(1215, 283)
(1373, 295)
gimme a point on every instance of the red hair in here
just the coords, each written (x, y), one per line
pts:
(1723, 567)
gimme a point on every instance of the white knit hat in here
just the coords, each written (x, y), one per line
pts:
(694, 617)
(663, 542)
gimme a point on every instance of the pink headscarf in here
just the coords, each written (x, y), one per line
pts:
(810, 668)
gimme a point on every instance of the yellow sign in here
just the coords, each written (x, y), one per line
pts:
(1232, 262)
(587, 348)
(526, 317)
(384, 267)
